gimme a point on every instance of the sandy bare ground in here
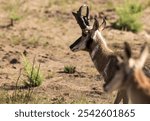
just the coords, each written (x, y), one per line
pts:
(46, 31)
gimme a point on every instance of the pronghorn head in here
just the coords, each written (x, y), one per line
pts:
(89, 33)
(125, 68)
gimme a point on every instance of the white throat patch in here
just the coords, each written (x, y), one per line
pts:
(106, 68)
(98, 36)
(94, 51)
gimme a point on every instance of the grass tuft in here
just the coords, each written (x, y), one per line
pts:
(69, 69)
(19, 95)
(13, 7)
(35, 77)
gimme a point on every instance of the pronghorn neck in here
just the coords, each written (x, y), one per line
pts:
(99, 43)
(99, 40)
(101, 55)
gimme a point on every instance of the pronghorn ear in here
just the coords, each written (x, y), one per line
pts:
(127, 50)
(143, 55)
(96, 24)
(74, 14)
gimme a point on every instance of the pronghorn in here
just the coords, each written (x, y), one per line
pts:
(92, 41)
(130, 77)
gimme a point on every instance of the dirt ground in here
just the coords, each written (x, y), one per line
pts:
(45, 29)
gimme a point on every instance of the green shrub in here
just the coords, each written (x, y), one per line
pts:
(129, 14)
(69, 69)
(35, 77)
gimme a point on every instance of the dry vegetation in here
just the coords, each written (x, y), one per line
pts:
(45, 29)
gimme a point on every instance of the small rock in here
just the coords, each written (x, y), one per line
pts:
(14, 61)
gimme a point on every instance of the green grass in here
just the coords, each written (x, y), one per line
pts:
(13, 8)
(69, 69)
(21, 95)
(129, 16)
(18, 95)
(15, 40)
(58, 100)
(34, 41)
(34, 75)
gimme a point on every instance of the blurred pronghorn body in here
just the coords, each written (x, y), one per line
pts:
(93, 42)
(130, 77)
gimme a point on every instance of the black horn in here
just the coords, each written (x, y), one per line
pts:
(87, 12)
(103, 24)
(81, 20)
(80, 11)
(86, 17)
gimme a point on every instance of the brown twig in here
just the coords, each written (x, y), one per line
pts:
(8, 25)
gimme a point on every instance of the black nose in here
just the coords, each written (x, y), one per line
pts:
(71, 47)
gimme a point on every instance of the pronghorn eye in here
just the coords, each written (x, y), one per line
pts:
(85, 31)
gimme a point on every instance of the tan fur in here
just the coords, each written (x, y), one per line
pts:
(131, 77)
(143, 82)
(102, 55)
(138, 88)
